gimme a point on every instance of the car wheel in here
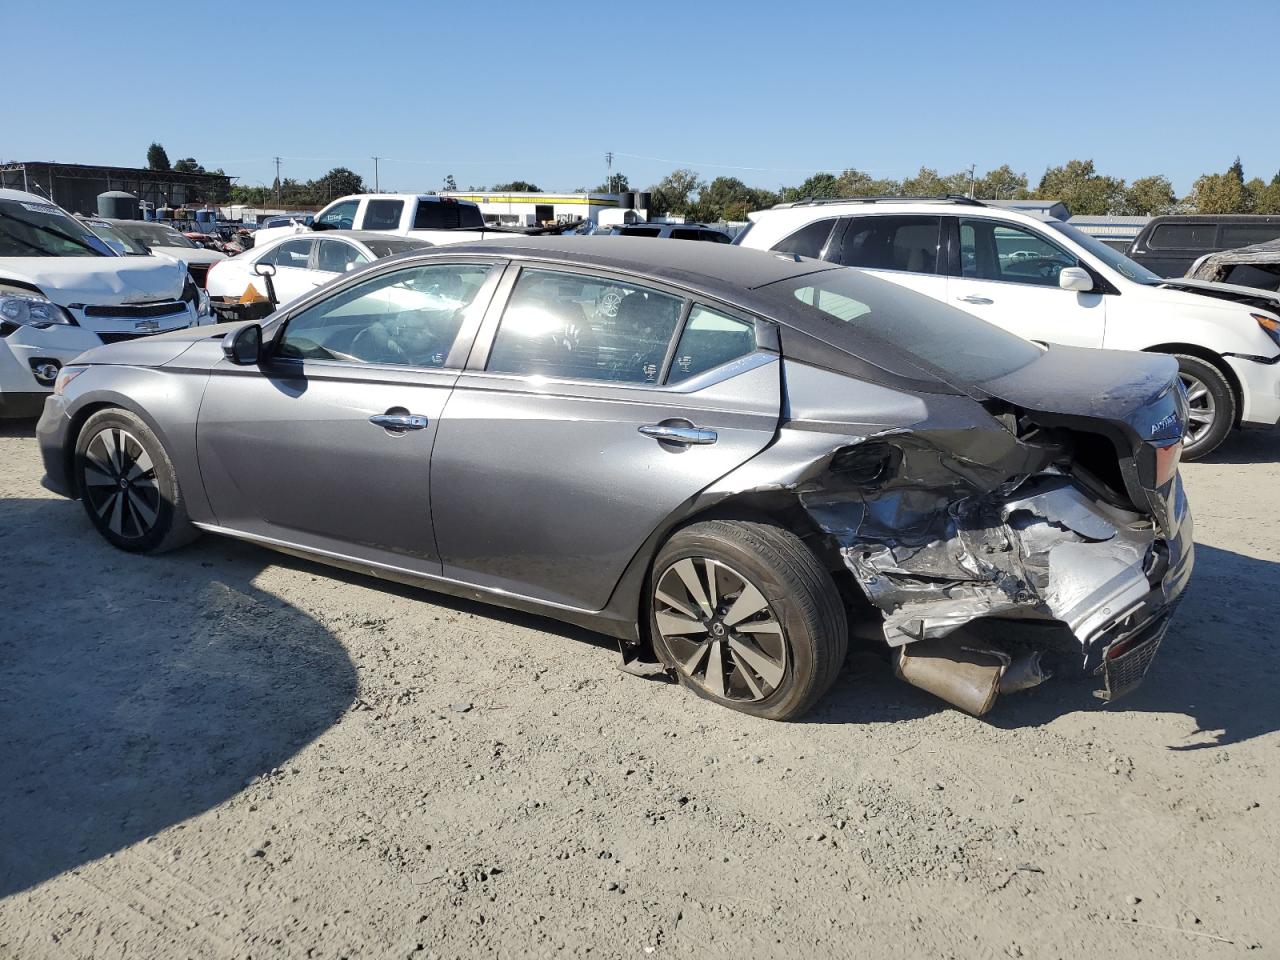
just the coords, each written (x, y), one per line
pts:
(128, 485)
(1211, 406)
(746, 616)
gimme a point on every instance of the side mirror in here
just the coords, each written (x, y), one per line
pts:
(243, 346)
(1075, 278)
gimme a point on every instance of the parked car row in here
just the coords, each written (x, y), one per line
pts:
(1048, 282)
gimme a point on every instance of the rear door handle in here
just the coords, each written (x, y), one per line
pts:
(972, 299)
(399, 422)
(673, 434)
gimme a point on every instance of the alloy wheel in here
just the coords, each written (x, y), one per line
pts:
(721, 630)
(1201, 409)
(120, 483)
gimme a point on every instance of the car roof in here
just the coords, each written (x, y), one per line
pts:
(718, 268)
(807, 211)
(363, 236)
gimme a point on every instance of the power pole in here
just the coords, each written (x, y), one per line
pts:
(376, 184)
(278, 181)
(972, 168)
(608, 165)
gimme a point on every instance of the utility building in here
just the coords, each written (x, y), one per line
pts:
(529, 209)
(75, 186)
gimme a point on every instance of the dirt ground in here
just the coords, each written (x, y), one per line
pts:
(224, 752)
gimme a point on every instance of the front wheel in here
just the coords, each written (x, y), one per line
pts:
(128, 485)
(1211, 406)
(747, 617)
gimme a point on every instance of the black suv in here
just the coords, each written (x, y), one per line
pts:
(1169, 246)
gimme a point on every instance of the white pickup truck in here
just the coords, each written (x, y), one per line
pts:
(437, 220)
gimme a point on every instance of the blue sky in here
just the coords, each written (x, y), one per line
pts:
(767, 92)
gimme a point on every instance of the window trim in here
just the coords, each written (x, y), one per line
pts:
(462, 342)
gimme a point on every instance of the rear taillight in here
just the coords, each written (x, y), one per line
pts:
(1167, 458)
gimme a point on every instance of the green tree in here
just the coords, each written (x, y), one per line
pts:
(338, 182)
(617, 183)
(1218, 193)
(728, 198)
(674, 193)
(1267, 199)
(449, 182)
(1148, 197)
(187, 165)
(1001, 184)
(928, 183)
(157, 159)
(516, 186)
(1082, 188)
(856, 183)
(820, 186)
(1236, 170)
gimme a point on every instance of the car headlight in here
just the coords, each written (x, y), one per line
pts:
(31, 310)
(65, 376)
(203, 307)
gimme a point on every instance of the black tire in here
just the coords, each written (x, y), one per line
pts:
(801, 597)
(1218, 402)
(145, 514)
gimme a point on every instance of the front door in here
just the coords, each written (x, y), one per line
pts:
(327, 444)
(598, 408)
(1008, 276)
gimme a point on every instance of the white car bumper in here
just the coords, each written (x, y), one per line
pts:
(1260, 383)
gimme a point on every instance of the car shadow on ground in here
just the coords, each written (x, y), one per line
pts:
(17, 428)
(1247, 446)
(1217, 665)
(139, 693)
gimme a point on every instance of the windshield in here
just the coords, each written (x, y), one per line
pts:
(109, 233)
(154, 235)
(389, 248)
(1113, 258)
(32, 229)
(854, 311)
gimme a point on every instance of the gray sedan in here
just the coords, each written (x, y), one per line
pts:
(718, 456)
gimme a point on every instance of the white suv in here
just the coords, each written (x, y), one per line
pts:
(1047, 281)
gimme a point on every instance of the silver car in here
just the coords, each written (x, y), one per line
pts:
(724, 458)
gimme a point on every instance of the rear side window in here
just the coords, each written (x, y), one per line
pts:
(584, 328)
(383, 214)
(710, 339)
(446, 215)
(341, 216)
(809, 240)
(1243, 234)
(334, 256)
(291, 253)
(1183, 236)
(642, 232)
(892, 243)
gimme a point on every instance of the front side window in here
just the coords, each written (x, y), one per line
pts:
(340, 216)
(891, 243)
(291, 253)
(32, 229)
(998, 251)
(382, 214)
(334, 256)
(710, 339)
(809, 240)
(582, 327)
(407, 317)
(446, 214)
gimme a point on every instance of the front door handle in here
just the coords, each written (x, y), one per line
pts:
(399, 422)
(673, 434)
(972, 299)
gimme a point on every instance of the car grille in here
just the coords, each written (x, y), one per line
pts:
(137, 311)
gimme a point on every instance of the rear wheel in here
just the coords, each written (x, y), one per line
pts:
(128, 485)
(747, 616)
(1211, 406)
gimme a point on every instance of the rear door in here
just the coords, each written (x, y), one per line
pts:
(1007, 274)
(592, 407)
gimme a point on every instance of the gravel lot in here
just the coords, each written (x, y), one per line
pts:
(225, 752)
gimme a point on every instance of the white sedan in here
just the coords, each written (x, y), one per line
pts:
(302, 262)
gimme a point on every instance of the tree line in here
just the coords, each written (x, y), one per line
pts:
(684, 192)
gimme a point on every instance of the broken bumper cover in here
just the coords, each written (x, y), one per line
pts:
(1041, 548)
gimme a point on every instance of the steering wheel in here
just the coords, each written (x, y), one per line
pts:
(374, 345)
